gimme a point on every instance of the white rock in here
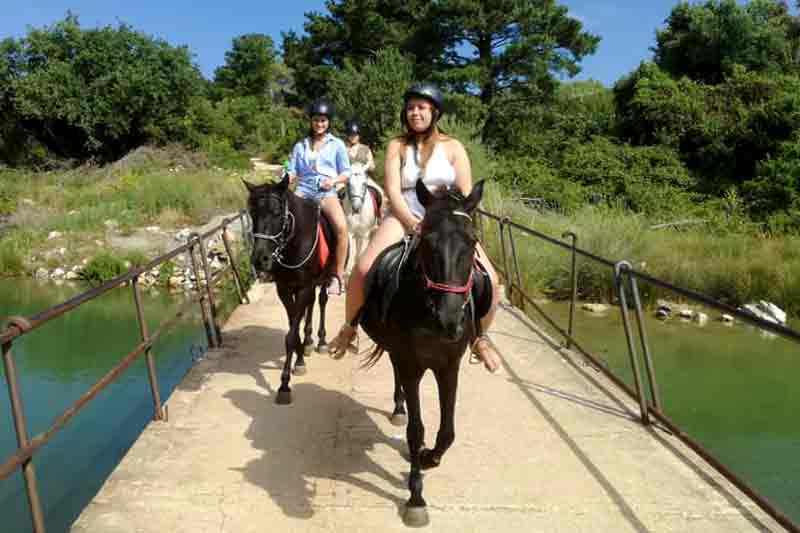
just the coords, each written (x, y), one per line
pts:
(85, 262)
(701, 318)
(153, 229)
(183, 234)
(726, 318)
(28, 201)
(686, 313)
(54, 235)
(595, 308)
(98, 242)
(110, 223)
(71, 275)
(57, 273)
(766, 311)
(73, 212)
(62, 251)
(42, 273)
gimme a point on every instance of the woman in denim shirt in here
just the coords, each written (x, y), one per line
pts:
(318, 163)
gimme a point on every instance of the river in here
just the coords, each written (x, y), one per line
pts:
(56, 365)
(730, 387)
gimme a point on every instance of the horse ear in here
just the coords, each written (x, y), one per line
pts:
(284, 184)
(474, 198)
(423, 194)
(250, 186)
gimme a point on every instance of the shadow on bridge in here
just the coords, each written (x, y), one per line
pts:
(315, 451)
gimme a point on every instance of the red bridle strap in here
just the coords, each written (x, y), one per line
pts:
(444, 287)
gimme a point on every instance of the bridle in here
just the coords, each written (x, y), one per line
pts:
(464, 289)
(361, 196)
(285, 235)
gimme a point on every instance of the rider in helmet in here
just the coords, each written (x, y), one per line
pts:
(361, 153)
(319, 163)
(422, 152)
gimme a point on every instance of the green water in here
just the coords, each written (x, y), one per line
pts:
(56, 365)
(729, 387)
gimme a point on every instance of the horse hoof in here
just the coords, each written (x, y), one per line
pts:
(416, 517)
(284, 397)
(398, 419)
(300, 370)
(323, 348)
(428, 460)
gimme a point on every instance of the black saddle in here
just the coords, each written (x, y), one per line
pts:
(386, 272)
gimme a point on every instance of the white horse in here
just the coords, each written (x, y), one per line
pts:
(359, 206)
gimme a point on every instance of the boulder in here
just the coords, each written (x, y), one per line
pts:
(726, 318)
(42, 273)
(686, 313)
(595, 308)
(54, 235)
(58, 273)
(662, 313)
(766, 311)
(701, 318)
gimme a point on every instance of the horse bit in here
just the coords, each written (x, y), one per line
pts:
(281, 239)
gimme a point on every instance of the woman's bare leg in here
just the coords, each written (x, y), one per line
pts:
(333, 210)
(389, 232)
(482, 347)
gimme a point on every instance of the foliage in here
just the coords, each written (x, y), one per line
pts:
(248, 68)
(98, 93)
(165, 271)
(101, 268)
(706, 41)
(774, 193)
(373, 93)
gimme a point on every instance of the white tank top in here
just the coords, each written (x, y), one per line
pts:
(439, 172)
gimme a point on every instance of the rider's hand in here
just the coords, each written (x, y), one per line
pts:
(326, 184)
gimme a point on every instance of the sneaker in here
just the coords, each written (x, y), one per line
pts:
(335, 287)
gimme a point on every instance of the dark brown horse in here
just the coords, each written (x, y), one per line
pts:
(428, 324)
(286, 249)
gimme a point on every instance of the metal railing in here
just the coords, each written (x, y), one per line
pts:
(625, 280)
(17, 326)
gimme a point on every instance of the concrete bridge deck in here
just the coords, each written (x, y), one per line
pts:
(549, 445)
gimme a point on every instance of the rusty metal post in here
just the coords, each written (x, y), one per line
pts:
(209, 282)
(509, 287)
(520, 288)
(243, 298)
(574, 282)
(480, 224)
(620, 283)
(158, 413)
(648, 360)
(203, 310)
(28, 471)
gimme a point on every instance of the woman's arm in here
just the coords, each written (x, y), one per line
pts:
(392, 184)
(370, 160)
(294, 161)
(460, 161)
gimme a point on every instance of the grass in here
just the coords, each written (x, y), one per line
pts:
(733, 267)
(78, 204)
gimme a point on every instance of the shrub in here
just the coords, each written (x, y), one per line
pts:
(102, 267)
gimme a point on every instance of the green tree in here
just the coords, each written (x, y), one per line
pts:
(356, 30)
(98, 93)
(373, 92)
(510, 46)
(705, 41)
(249, 67)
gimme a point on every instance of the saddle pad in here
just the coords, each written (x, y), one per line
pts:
(377, 200)
(323, 248)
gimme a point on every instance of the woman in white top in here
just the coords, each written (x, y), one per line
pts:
(445, 164)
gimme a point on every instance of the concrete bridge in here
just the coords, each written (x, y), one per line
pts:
(549, 445)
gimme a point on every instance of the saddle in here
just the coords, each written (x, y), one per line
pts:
(387, 270)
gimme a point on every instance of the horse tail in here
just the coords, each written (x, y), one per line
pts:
(373, 358)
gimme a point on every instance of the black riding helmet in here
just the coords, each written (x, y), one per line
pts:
(321, 106)
(429, 92)
(352, 127)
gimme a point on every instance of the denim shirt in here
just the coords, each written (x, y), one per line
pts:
(331, 161)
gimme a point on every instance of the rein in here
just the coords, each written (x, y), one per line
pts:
(446, 287)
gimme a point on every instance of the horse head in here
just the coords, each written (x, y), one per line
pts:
(272, 224)
(446, 255)
(357, 186)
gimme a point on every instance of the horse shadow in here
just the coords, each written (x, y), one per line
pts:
(317, 449)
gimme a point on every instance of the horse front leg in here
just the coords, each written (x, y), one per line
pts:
(308, 340)
(303, 304)
(322, 347)
(289, 300)
(416, 513)
(447, 383)
(398, 417)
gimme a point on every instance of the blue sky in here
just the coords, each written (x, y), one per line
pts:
(626, 26)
